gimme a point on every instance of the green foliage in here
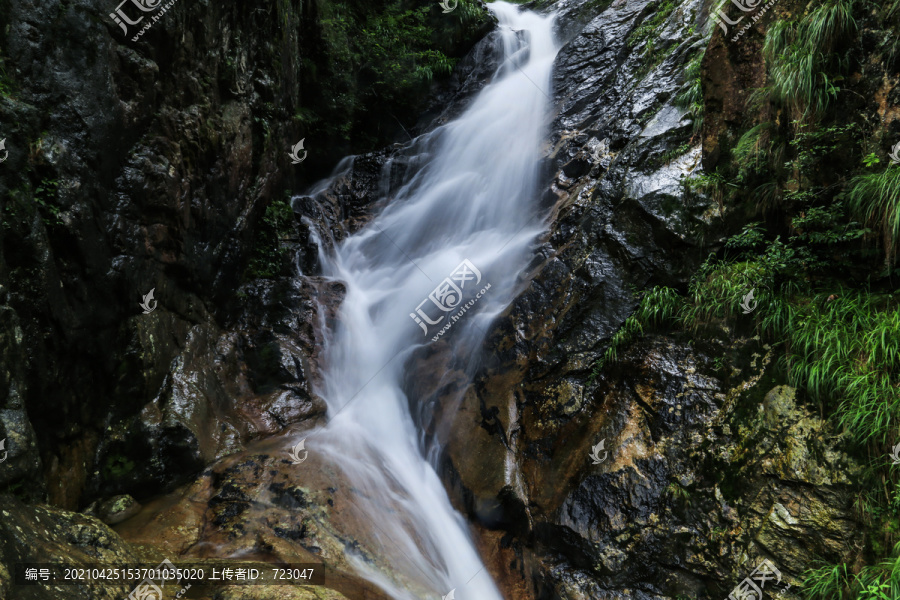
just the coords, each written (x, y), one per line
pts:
(826, 225)
(23, 202)
(751, 152)
(826, 582)
(875, 198)
(397, 49)
(691, 97)
(751, 237)
(718, 288)
(833, 317)
(813, 142)
(649, 29)
(673, 153)
(45, 196)
(679, 494)
(268, 252)
(847, 346)
(714, 184)
(658, 306)
(842, 346)
(629, 330)
(834, 582)
(381, 61)
(801, 55)
(871, 159)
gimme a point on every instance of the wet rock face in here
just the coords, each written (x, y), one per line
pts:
(691, 496)
(622, 219)
(621, 223)
(226, 387)
(666, 477)
(132, 166)
(698, 484)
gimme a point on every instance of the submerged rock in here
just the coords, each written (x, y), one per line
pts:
(259, 505)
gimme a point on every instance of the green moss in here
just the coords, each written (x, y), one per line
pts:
(653, 53)
(117, 466)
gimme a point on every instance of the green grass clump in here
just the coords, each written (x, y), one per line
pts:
(875, 198)
(841, 346)
(657, 306)
(833, 582)
(691, 97)
(752, 151)
(846, 346)
(801, 54)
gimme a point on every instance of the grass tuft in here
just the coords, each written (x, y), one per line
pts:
(875, 198)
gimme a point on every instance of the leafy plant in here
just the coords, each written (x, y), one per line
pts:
(713, 184)
(800, 54)
(691, 97)
(875, 198)
(829, 581)
(752, 151)
(45, 196)
(833, 582)
(871, 159)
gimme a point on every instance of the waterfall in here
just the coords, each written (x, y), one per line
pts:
(442, 259)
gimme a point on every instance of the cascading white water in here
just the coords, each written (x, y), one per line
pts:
(473, 197)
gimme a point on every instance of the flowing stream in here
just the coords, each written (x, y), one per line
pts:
(454, 236)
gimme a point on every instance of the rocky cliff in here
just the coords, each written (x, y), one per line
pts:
(594, 462)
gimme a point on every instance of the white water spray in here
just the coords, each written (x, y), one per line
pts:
(473, 197)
